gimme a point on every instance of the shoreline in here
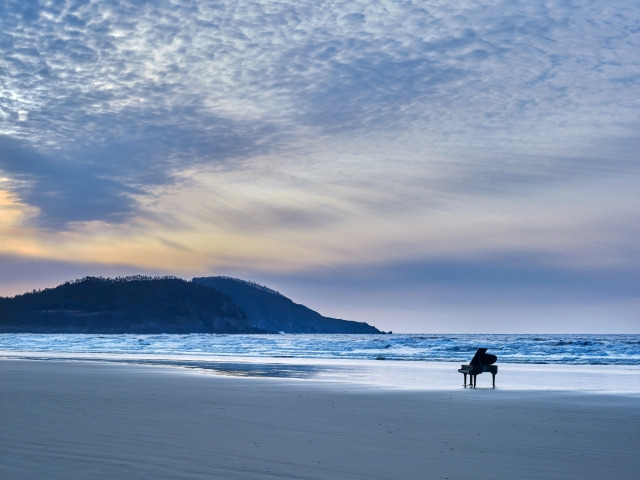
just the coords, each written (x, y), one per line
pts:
(376, 374)
(76, 419)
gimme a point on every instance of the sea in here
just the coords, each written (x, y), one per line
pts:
(568, 349)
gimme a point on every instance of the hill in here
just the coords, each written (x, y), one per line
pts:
(123, 305)
(272, 311)
(147, 305)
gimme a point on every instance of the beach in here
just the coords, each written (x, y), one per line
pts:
(80, 419)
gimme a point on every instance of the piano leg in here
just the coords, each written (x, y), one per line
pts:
(465, 379)
(494, 379)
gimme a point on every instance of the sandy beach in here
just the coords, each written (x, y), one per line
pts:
(81, 420)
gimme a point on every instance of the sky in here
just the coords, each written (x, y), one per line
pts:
(423, 166)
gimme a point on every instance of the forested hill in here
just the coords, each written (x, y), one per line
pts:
(136, 305)
(124, 305)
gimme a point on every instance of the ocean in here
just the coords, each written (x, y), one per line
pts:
(565, 349)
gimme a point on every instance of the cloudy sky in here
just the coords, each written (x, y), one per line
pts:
(425, 166)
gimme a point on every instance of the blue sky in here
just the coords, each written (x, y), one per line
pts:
(424, 166)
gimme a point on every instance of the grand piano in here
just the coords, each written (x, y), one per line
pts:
(481, 362)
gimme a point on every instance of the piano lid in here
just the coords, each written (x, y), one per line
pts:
(483, 358)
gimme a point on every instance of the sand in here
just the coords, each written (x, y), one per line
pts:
(84, 420)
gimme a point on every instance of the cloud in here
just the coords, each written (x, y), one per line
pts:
(63, 192)
(353, 66)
